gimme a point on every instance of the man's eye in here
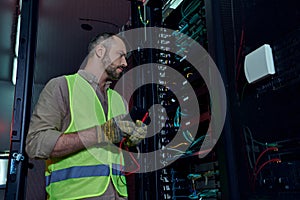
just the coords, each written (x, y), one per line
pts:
(125, 56)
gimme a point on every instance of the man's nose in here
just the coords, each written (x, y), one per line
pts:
(123, 61)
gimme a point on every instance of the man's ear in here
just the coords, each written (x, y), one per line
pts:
(100, 51)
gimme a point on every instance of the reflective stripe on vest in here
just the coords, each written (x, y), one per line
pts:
(83, 174)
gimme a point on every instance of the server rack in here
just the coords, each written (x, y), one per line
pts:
(184, 174)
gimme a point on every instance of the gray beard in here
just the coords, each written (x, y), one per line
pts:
(112, 73)
(110, 69)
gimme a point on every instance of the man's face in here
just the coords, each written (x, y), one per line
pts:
(115, 60)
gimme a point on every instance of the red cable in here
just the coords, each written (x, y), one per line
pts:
(201, 152)
(237, 66)
(130, 154)
(257, 161)
(262, 153)
(134, 160)
(265, 163)
(240, 47)
(121, 144)
(145, 117)
(277, 160)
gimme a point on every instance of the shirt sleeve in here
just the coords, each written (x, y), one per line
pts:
(46, 121)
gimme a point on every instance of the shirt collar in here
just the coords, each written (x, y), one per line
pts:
(91, 78)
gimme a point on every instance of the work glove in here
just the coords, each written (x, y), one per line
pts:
(133, 132)
(109, 132)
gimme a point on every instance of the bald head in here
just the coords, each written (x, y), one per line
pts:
(105, 39)
(107, 57)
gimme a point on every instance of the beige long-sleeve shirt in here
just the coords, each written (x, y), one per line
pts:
(51, 115)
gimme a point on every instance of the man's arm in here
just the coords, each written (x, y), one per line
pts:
(73, 142)
(51, 115)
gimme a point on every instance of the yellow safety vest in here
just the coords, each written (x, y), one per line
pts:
(87, 173)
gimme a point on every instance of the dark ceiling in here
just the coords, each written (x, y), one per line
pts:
(61, 42)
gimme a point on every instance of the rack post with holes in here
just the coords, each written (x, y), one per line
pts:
(18, 161)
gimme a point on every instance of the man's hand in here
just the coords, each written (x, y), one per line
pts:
(109, 132)
(134, 132)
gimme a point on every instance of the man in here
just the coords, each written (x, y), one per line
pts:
(75, 122)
